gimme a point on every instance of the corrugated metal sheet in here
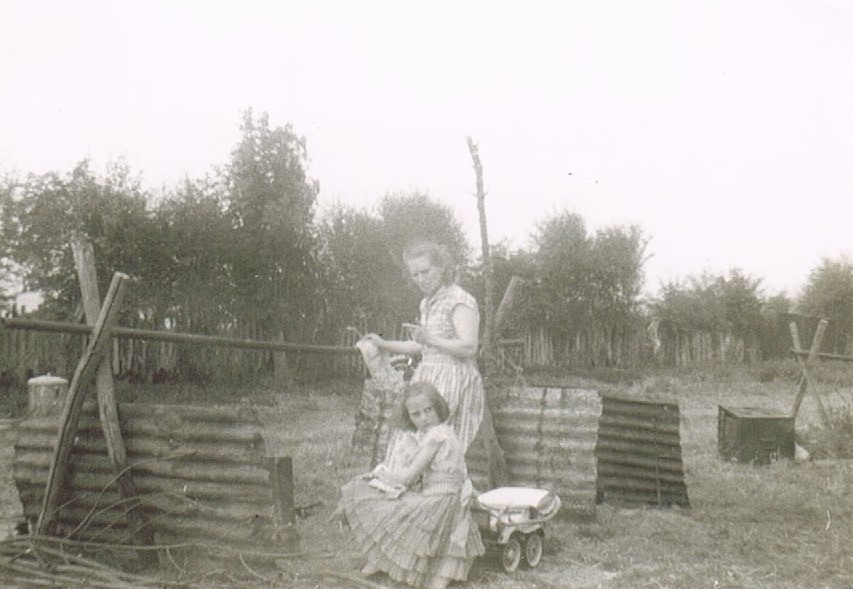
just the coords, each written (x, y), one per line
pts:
(200, 473)
(548, 436)
(639, 453)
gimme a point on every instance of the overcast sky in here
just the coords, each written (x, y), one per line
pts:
(724, 128)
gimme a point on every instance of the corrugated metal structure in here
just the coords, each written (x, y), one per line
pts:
(548, 436)
(639, 453)
(201, 474)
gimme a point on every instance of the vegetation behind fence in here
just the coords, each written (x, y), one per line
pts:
(25, 353)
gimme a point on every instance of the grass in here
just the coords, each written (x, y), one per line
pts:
(785, 525)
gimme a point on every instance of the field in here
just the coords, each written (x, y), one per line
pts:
(786, 525)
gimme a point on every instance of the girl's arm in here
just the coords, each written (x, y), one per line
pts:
(466, 323)
(407, 475)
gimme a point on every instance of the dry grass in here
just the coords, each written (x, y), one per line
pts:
(786, 525)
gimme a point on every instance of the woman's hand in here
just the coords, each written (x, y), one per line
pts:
(422, 336)
(376, 340)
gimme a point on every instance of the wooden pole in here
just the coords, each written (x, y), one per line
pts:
(84, 260)
(488, 347)
(176, 337)
(804, 366)
(506, 303)
(284, 509)
(83, 376)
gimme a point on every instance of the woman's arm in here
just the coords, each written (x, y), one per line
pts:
(407, 347)
(466, 323)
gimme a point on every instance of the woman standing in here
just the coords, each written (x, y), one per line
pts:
(447, 337)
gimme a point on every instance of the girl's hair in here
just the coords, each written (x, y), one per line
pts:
(437, 254)
(425, 389)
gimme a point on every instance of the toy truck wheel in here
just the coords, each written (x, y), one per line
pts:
(511, 555)
(533, 549)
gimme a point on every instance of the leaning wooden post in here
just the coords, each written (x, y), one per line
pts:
(507, 301)
(84, 260)
(83, 376)
(804, 366)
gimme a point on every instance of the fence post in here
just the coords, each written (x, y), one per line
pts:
(46, 395)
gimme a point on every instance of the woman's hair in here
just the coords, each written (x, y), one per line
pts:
(437, 254)
(418, 389)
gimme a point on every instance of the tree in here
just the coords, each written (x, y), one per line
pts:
(365, 280)
(581, 280)
(271, 201)
(7, 188)
(712, 303)
(110, 210)
(188, 276)
(617, 257)
(562, 266)
(355, 276)
(408, 217)
(829, 294)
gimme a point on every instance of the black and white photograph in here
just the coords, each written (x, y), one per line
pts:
(388, 295)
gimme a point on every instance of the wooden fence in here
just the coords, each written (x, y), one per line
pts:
(137, 357)
(633, 347)
(26, 352)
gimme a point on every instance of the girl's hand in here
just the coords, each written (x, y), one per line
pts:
(385, 475)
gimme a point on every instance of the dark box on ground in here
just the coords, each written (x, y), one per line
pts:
(753, 435)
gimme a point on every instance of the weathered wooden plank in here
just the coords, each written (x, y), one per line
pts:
(805, 362)
(84, 260)
(83, 376)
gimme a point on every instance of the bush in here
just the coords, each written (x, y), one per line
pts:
(835, 438)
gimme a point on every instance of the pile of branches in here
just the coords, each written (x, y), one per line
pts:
(33, 561)
(44, 561)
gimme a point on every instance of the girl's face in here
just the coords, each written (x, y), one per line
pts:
(426, 275)
(422, 413)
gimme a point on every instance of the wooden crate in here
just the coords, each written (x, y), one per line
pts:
(753, 435)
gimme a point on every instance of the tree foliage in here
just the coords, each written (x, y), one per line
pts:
(829, 294)
(270, 200)
(365, 280)
(710, 302)
(579, 279)
(48, 209)
(233, 252)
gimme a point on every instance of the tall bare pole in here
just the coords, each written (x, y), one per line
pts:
(488, 349)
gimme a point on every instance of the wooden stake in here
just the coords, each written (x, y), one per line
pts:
(83, 376)
(804, 366)
(506, 303)
(84, 260)
(489, 336)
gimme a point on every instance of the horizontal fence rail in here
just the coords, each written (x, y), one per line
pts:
(169, 336)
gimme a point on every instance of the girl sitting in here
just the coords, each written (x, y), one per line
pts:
(424, 537)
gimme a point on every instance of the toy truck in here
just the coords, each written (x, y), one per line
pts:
(512, 519)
